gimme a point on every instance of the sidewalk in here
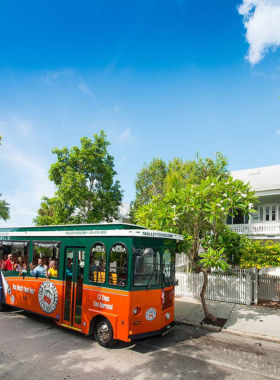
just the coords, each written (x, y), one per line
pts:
(250, 321)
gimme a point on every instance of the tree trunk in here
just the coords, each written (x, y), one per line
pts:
(204, 286)
(202, 294)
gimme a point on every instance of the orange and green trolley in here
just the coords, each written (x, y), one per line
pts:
(115, 281)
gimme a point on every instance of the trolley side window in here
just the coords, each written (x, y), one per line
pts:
(97, 265)
(168, 265)
(45, 259)
(17, 252)
(146, 267)
(118, 265)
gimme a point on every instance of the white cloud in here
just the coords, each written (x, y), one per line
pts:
(117, 109)
(278, 132)
(125, 138)
(28, 174)
(50, 76)
(261, 19)
(23, 127)
(24, 171)
(84, 88)
(122, 160)
(16, 128)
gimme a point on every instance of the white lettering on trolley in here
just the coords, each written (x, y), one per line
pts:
(23, 289)
(103, 305)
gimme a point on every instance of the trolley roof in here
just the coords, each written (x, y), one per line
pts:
(74, 230)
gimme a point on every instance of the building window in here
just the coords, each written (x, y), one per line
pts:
(273, 213)
(239, 218)
(229, 219)
(267, 213)
(261, 214)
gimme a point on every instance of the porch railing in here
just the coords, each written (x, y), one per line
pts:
(256, 228)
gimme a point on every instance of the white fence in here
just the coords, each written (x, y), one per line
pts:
(269, 288)
(234, 289)
(271, 271)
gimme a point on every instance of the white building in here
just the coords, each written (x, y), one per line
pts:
(123, 213)
(265, 223)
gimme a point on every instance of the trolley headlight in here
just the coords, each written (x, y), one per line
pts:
(167, 316)
(136, 311)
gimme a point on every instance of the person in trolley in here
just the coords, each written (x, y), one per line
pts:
(39, 270)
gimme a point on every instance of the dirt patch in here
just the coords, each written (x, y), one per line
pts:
(270, 304)
(220, 322)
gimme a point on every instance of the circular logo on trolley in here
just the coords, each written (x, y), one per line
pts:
(150, 314)
(9, 290)
(48, 297)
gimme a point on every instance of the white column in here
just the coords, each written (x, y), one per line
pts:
(256, 285)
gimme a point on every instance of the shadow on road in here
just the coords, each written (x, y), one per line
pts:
(62, 354)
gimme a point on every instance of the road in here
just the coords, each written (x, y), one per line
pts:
(34, 347)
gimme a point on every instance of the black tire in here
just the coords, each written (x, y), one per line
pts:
(4, 307)
(104, 333)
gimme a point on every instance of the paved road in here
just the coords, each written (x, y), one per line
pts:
(33, 347)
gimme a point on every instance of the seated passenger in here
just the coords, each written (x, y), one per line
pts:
(35, 260)
(52, 269)
(19, 253)
(15, 257)
(24, 269)
(8, 264)
(101, 267)
(18, 265)
(39, 269)
(69, 267)
(45, 261)
(5, 258)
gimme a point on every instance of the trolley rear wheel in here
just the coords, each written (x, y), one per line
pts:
(103, 333)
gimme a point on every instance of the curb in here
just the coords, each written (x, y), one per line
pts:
(200, 325)
(266, 338)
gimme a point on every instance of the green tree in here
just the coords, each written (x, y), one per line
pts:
(198, 212)
(150, 181)
(4, 210)
(52, 212)
(233, 243)
(86, 191)
(159, 177)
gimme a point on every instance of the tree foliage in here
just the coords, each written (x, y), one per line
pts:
(86, 191)
(260, 255)
(198, 212)
(159, 177)
(4, 210)
(149, 183)
(233, 243)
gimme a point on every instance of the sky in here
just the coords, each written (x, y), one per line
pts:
(163, 78)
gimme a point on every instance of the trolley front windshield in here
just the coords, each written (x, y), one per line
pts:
(154, 265)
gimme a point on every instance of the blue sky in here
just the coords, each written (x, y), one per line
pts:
(163, 79)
